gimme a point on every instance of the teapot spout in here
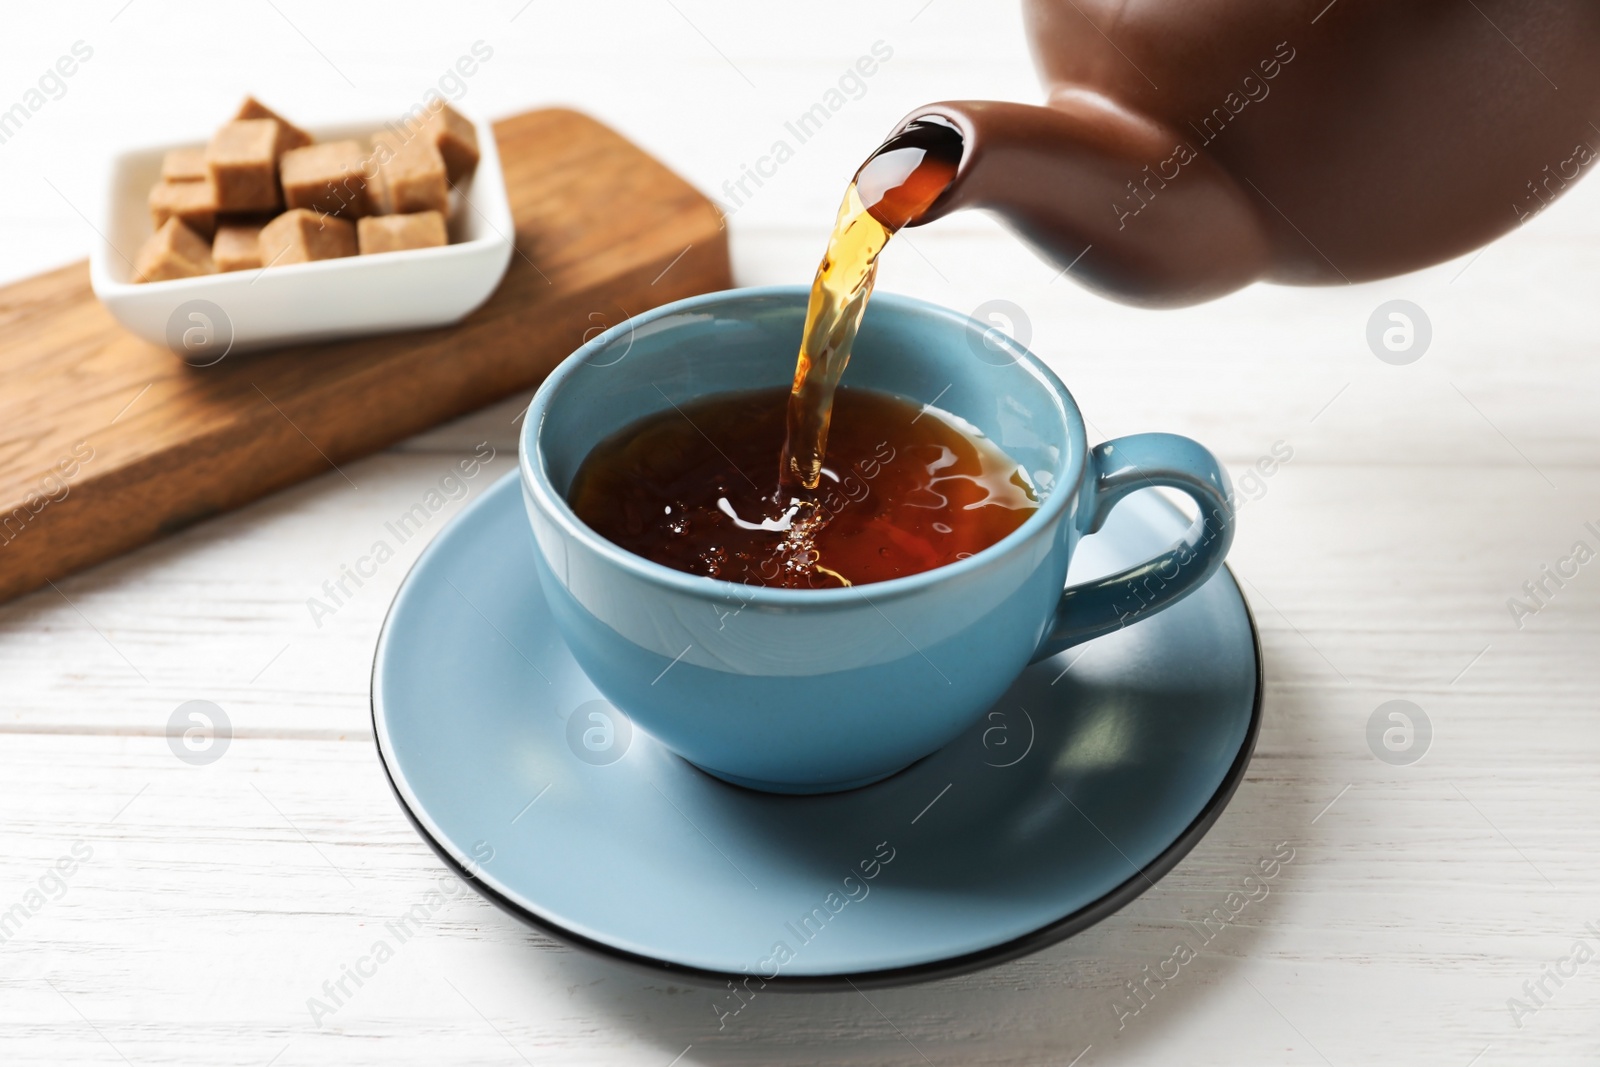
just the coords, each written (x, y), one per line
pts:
(1117, 200)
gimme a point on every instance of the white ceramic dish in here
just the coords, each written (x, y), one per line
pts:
(302, 302)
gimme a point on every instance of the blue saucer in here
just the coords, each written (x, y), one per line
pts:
(1095, 774)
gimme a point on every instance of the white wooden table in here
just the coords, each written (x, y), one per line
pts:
(206, 904)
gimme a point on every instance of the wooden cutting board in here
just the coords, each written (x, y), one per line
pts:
(107, 442)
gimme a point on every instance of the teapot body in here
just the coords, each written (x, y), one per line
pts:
(1327, 142)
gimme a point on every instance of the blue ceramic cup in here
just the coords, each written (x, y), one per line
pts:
(811, 690)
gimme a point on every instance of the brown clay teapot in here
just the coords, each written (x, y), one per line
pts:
(1190, 147)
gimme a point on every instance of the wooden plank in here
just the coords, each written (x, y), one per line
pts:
(602, 230)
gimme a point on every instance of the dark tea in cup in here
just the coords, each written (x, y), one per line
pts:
(869, 486)
(904, 488)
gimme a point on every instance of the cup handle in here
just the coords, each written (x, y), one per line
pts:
(1121, 466)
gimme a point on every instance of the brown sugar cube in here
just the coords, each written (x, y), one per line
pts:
(301, 236)
(242, 160)
(396, 233)
(237, 245)
(184, 165)
(330, 178)
(412, 173)
(378, 188)
(173, 251)
(192, 203)
(457, 141)
(289, 135)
